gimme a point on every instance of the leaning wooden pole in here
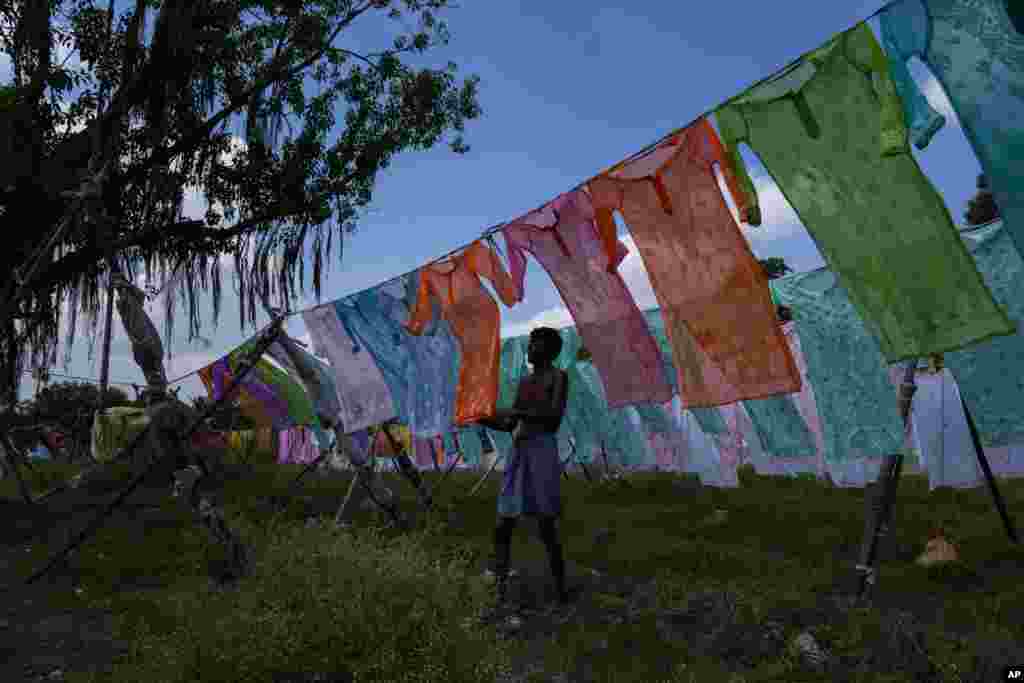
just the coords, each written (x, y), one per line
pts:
(216, 526)
(12, 462)
(979, 453)
(880, 500)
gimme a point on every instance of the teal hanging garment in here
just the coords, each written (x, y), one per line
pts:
(988, 373)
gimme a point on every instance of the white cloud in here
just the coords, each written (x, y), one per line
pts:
(552, 317)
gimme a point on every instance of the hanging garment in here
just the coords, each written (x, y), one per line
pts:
(986, 373)
(513, 367)
(298, 405)
(666, 437)
(941, 434)
(730, 447)
(853, 395)
(475, 320)
(315, 375)
(975, 49)
(360, 447)
(615, 433)
(831, 134)
(363, 395)
(701, 268)
(391, 440)
(709, 418)
(656, 418)
(563, 237)
(764, 463)
(805, 402)
(297, 446)
(912, 453)
(266, 394)
(1006, 461)
(423, 449)
(419, 370)
(781, 430)
(471, 446)
(702, 450)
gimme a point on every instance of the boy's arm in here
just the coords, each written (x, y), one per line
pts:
(501, 422)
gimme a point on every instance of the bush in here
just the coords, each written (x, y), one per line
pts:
(324, 601)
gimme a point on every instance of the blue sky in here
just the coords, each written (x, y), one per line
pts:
(567, 89)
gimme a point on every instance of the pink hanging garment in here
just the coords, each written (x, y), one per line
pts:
(283, 446)
(422, 447)
(713, 293)
(563, 237)
(297, 446)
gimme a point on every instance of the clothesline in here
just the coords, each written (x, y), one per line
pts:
(489, 232)
(84, 379)
(647, 149)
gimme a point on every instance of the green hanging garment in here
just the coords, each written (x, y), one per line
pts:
(831, 133)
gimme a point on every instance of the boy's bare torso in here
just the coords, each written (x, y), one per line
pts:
(536, 389)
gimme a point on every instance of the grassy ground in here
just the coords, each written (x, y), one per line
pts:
(667, 589)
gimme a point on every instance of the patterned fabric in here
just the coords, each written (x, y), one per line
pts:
(267, 394)
(532, 483)
(297, 446)
(360, 445)
(701, 269)
(941, 434)
(420, 371)
(616, 433)
(831, 134)
(702, 455)
(564, 238)
(709, 418)
(805, 401)
(781, 429)
(315, 375)
(853, 396)
(475, 320)
(363, 395)
(513, 368)
(471, 445)
(975, 49)
(765, 464)
(995, 395)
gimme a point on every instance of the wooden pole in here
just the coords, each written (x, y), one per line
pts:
(880, 500)
(476, 487)
(12, 461)
(98, 520)
(979, 452)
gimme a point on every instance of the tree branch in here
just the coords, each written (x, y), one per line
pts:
(274, 71)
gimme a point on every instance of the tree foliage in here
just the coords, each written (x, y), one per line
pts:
(99, 149)
(774, 267)
(982, 207)
(69, 407)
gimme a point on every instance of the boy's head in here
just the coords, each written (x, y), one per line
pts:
(544, 346)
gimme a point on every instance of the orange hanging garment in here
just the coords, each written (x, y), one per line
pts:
(713, 294)
(475, 321)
